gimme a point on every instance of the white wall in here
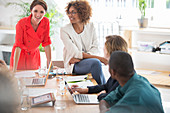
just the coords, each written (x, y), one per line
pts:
(9, 19)
(9, 14)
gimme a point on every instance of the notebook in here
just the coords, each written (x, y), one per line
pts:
(37, 81)
(82, 98)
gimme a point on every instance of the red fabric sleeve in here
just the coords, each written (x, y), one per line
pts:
(19, 37)
(47, 40)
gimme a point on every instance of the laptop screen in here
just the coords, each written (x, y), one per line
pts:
(49, 68)
(68, 88)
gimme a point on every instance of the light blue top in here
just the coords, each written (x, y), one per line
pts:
(136, 96)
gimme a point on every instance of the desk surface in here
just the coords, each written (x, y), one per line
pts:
(71, 106)
(160, 78)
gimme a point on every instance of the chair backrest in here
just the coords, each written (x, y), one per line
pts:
(59, 64)
(104, 29)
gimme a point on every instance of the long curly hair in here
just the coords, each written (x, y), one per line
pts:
(83, 8)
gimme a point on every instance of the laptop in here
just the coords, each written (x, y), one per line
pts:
(82, 98)
(29, 82)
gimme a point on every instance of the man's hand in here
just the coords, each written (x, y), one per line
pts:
(103, 106)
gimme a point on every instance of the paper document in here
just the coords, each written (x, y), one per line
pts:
(40, 91)
(146, 72)
(30, 73)
(83, 84)
(76, 78)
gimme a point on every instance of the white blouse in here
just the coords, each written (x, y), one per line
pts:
(75, 44)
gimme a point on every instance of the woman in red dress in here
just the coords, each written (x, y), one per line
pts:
(31, 31)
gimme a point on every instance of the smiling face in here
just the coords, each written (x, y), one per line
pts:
(38, 13)
(73, 15)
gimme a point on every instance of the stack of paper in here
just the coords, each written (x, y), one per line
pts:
(25, 74)
(72, 79)
(79, 80)
(83, 84)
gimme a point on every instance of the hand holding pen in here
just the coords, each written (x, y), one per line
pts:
(76, 88)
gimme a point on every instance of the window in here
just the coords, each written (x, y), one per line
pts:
(157, 11)
(160, 14)
(109, 15)
(168, 4)
(150, 3)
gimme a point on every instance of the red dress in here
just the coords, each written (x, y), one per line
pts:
(29, 40)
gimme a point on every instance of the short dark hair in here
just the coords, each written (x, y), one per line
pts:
(83, 8)
(121, 62)
(38, 2)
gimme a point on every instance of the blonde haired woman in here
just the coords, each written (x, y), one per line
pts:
(113, 43)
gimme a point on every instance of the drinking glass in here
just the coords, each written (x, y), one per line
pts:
(62, 89)
(21, 85)
(60, 104)
(42, 72)
(25, 100)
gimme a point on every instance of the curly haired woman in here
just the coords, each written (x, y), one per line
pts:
(80, 42)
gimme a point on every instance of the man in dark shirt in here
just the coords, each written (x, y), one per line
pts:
(134, 94)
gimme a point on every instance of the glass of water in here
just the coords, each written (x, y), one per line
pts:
(62, 89)
(25, 100)
(42, 71)
(60, 104)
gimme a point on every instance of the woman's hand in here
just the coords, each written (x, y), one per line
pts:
(16, 58)
(74, 60)
(75, 88)
(48, 54)
(103, 60)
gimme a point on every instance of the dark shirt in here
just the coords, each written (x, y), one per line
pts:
(110, 85)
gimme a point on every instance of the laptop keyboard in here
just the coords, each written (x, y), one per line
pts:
(82, 98)
(38, 81)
